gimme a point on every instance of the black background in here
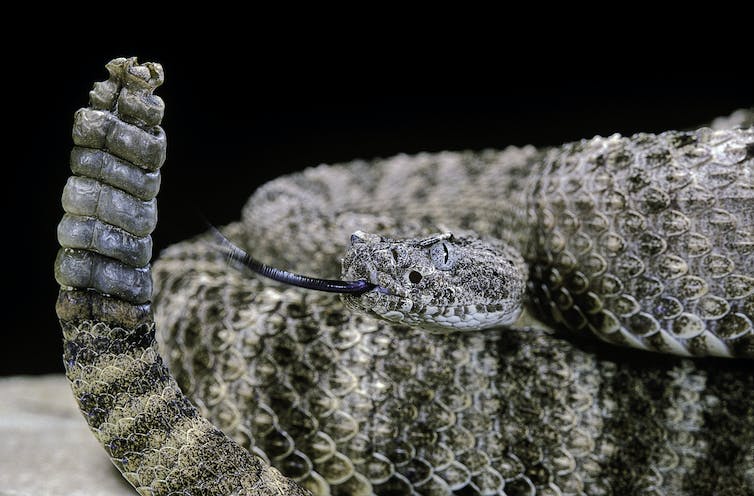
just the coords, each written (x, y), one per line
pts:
(235, 119)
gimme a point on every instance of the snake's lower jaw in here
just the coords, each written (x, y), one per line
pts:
(437, 319)
(467, 318)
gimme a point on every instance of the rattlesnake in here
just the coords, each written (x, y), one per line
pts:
(645, 241)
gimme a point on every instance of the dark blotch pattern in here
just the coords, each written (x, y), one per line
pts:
(352, 405)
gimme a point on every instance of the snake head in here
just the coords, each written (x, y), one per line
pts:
(441, 283)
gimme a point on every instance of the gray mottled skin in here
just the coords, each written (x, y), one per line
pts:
(632, 240)
(645, 241)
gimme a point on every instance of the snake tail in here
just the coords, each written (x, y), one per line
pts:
(153, 434)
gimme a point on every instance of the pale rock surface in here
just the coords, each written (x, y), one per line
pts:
(46, 448)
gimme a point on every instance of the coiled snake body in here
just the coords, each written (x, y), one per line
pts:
(645, 241)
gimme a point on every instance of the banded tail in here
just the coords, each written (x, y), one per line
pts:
(150, 430)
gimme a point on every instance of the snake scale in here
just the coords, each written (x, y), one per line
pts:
(644, 242)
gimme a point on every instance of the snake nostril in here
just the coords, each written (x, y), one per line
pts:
(415, 277)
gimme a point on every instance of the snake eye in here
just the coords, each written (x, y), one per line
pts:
(442, 255)
(415, 277)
